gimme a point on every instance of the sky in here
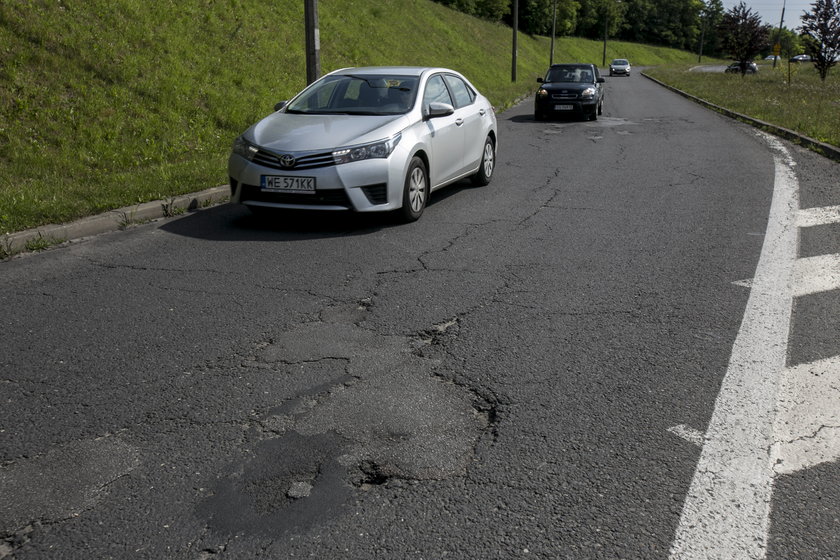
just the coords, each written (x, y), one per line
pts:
(771, 10)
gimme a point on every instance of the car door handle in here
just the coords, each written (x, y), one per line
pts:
(459, 122)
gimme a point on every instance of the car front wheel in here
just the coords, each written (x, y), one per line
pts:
(488, 164)
(416, 190)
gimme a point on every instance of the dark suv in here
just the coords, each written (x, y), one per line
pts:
(570, 89)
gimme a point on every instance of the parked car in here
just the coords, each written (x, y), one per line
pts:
(570, 89)
(620, 67)
(801, 58)
(735, 68)
(367, 140)
(771, 58)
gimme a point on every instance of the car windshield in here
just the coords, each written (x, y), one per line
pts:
(580, 74)
(357, 95)
(620, 62)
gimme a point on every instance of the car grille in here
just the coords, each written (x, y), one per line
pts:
(562, 96)
(331, 197)
(302, 161)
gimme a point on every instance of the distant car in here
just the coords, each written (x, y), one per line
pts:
(735, 68)
(620, 67)
(801, 58)
(772, 58)
(367, 140)
(570, 89)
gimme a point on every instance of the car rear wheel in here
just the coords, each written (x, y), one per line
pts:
(416, 191)
(488, 164)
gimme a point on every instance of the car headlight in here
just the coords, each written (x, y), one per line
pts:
(244, 148)
(542, 92)
(588, 93)
(378, 149)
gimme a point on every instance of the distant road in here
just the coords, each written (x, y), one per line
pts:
(708, 68)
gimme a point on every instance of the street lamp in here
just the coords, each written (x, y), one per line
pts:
(313, 41)
(606, 20)
(553, 29)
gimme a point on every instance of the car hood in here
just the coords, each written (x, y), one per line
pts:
(299, 133)
(568, 86)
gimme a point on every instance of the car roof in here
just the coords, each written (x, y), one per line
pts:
(572, 65)
(392, 70)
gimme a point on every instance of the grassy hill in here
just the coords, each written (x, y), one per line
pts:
(107, 103)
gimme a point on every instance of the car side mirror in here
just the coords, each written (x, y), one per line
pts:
(540, 81)
(439, 110)
(601, 80)
(279, 105)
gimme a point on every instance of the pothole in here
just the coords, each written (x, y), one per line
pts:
(386, 416)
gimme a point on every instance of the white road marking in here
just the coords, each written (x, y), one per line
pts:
(809, 217)
(816, 274)
(744, 283)
(808, 423)
(727, 510)
(688, 433)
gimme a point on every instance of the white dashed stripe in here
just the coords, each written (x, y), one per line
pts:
(809, 217)
(816, 274)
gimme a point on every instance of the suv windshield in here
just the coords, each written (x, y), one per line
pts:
(579, 74)
(357, 95)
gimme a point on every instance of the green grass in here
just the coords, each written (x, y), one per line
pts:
(109, 103)
(789, 96)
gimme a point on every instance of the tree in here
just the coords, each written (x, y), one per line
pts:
(711, 15)
(821, 28)
(744, 36)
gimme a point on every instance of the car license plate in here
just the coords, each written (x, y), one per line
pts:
(285, 183)
(563, 107)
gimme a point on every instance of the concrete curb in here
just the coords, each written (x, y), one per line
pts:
(827, 150)
(113, 220)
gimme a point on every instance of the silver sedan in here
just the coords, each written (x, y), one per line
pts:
(367, 140)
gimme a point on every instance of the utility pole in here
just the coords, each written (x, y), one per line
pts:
(606, 19)
(515, 30)
(778, 45)
(313, 41)
(553, 29)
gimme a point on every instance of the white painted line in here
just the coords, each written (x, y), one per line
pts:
(727, 511)
(688, 433)
(744, 283)
(809, 217)
(808, 423)
(816, 274)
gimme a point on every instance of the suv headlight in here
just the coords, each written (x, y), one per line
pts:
(588, 93)
(244, 148)
(378, 149)
(542, 92)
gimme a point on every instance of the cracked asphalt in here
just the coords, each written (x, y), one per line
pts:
(500, 379)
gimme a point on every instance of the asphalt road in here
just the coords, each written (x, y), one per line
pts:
(616, 349)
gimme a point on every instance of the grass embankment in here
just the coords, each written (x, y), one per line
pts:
(790, 96)
(108, 103)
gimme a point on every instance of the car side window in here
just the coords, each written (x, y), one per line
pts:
(436, 92)
(463, 95)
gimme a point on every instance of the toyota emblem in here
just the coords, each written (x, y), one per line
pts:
(287, 160)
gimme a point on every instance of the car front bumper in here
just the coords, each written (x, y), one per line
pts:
(370, 185)
(566, 107)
